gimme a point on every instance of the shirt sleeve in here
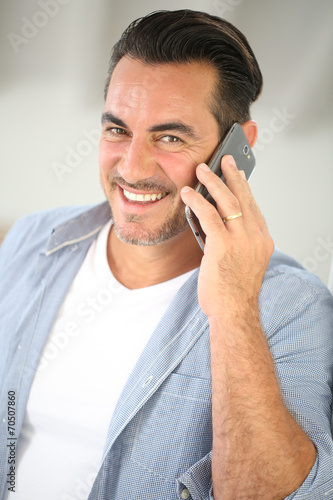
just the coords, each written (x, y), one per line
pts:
(297, 314)
(297, 318)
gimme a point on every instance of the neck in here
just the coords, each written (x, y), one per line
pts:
(141, 266)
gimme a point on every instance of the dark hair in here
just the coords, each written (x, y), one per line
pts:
(185, 36)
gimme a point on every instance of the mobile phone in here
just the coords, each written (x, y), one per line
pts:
(235, 143)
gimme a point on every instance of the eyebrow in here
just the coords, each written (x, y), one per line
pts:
(175, 126)
(110, 118)
(162, 127)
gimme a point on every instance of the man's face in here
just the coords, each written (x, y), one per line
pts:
(156, 128)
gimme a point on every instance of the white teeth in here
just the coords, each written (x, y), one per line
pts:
(143, 197)
(131, 196)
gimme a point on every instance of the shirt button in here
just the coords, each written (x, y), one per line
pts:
(185, 494)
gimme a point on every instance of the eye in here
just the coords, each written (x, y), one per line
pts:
(116, 130)
(116, 134)
(171, 138)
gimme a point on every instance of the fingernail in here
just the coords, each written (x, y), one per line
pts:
(204, 167)
(231, 161)
(186, 189)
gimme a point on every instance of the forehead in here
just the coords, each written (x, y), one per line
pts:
(169, 88)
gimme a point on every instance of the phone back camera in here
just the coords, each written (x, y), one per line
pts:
(246, 149)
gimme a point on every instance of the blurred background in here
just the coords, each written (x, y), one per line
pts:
(54, 59)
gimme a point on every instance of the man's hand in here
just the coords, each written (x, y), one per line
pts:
(259, 451)
(237, 251)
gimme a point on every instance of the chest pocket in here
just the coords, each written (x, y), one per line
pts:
(174, 428)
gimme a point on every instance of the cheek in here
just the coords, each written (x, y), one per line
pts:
(179, 168)
(184, 175)
(107, 157)
(192, 179)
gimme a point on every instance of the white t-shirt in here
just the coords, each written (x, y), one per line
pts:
(101, 329)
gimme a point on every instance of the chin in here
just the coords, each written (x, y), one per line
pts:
(145, 237)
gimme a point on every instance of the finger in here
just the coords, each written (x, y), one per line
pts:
(207, 214)
(226, 202)
(254, 222)
(234, 178)
(239, 186)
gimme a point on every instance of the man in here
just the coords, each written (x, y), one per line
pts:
(214, 368)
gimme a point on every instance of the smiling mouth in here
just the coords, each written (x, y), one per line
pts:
(143, 198)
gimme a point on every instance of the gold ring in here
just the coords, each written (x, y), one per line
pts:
(231, 217)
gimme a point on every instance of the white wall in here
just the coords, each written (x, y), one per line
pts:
(51, 98)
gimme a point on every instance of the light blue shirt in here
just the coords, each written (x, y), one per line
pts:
(160, 436)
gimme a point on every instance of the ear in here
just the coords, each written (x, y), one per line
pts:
(251, 131)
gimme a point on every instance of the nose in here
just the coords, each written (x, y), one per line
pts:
(137, 162)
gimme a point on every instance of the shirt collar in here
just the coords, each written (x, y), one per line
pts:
(84, 225)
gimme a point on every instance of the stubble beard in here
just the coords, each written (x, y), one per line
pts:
(144, 237)
(141, 236)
